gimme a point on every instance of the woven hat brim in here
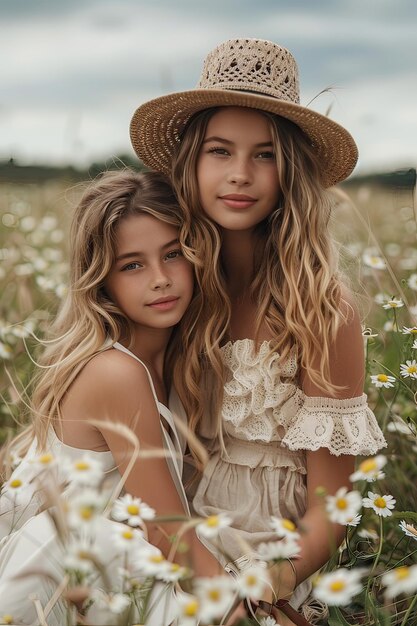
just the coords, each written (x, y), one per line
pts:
(157, 125)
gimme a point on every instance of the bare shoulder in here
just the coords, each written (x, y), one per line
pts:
(111, 378)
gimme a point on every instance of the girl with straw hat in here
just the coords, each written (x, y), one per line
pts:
(272, 372)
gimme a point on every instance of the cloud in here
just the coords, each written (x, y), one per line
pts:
(76, 70)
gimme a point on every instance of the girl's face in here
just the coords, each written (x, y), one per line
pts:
(237, 172)
(150, 281)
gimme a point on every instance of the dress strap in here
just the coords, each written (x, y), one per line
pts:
(174, 459)
(121, 348)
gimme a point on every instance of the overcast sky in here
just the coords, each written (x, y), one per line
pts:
(73, 71)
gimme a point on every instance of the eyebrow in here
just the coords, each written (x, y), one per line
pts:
(229, 143)
(127, 255)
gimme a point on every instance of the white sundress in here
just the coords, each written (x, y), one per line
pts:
(31, 555)
(269, 424)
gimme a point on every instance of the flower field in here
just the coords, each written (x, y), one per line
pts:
(372, 579)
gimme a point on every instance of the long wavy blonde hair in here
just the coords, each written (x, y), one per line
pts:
(88, 321)
(295, 282)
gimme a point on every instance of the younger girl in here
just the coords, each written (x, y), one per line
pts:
(115, 341)
(272, 376)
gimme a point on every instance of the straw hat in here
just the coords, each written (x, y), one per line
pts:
(251, 73)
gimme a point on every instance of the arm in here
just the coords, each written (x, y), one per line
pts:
(319, 537)
(113, 387)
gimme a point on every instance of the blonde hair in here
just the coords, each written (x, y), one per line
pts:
(295, 283)
(88, 321)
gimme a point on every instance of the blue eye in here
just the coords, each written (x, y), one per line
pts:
(219, 151)
(174, 254)
(131, 266)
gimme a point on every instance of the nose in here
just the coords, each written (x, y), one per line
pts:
(160, 278)
(240, 172)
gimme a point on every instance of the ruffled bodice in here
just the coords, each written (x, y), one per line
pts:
(269, 424)
(262, 402)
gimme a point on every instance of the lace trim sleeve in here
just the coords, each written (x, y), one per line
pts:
(345, 426)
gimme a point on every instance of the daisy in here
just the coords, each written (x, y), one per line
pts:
(414, 346)
(408, 529)
(400, 580)
(374, 261)
(125, 537)
(393, 303)
(409, 330)
(5, 351)
(339, 587)
(368, 533)
(6, 619)
(215, 595)
(251, 583)
(210, 527)
(114, 602)
(15, 487)
(84, 470)
(343, 506)
(188, 609)
(412, 282)
(398, 425)
(382, 505)
(370, 469)
(44, 461)
(277, 550)
(268, 621)
(151, 561)
(131, 510)
(80, 556)
(355, 521)
(382, 380)
(84, 509)
(173, 572)
(409, 369)
(284, 528)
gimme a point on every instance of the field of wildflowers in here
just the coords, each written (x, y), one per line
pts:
(372, 579)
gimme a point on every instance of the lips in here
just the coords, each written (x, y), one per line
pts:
(237, 200)
(164, 304)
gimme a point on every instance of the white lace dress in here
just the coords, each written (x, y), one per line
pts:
(269, 424)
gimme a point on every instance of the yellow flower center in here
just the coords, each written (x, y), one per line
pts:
(341, 503)
(413, 331)
(337, 585)
(133, 509)
(46, 458)
(214, 595)
(81, 466)
(175, 567)
(393, 304)
(370, 464)
(382, 378)
(411, 369)
(190, 609)
(86, 512)
(127, 534)
(7, 619)
(83, 555)
(288, 524)
(402, 572)
(251, 580)
(375, 260)
(212, 521)
(157, 558)
(380, 502)
(16, 483)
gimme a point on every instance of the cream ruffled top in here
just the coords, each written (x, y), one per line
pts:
(262, 403)
(269, 424)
